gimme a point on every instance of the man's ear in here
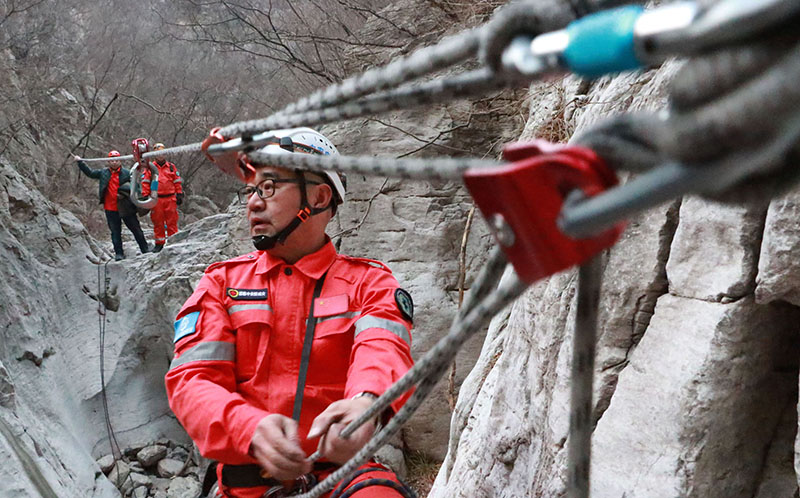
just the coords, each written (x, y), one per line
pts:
(320, 196)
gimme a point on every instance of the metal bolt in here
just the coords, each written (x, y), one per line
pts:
(502, 230)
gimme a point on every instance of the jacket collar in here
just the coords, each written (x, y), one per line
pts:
(313, 265)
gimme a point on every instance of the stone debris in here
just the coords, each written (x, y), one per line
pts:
(159, 469)
(178, 453)
(106, 463)
(184, 487)
(119, 474)
(169, 467)
(150, 455)
(140, 492)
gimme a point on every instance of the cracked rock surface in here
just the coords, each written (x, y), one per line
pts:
(696, 373)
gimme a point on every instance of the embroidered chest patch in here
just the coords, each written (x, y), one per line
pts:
(247, 294)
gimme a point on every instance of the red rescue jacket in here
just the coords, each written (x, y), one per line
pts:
(169, 180)
(239, 339)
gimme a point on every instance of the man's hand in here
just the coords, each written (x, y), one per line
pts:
(77, 158)
(276, 446)
(179, 199)
(333, 420)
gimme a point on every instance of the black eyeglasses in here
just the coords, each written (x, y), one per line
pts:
(266, 189)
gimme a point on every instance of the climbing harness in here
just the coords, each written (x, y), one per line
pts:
(343, 491)
(733, 116)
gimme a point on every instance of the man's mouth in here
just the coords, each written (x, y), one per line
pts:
(259, 227)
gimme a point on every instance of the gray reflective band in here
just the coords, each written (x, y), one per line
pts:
(370, 322)
(349, 314)
(244, 307)
(207, 351)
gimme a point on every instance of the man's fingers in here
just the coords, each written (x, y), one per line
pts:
(289, 428)
(332, 414)
(332, 438)
(284, 440)
(280, 466)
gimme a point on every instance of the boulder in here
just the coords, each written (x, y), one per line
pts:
(150, 455)
(141, 480)
(140, 492)
(184, 487)
(119, 474)
(715, 251)
(106, 463)
(178, 453)
(169, 468)
(779, 261)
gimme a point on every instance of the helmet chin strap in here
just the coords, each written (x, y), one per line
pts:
(267, 242)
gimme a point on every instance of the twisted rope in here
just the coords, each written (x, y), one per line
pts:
(427, 371)
(407, 168)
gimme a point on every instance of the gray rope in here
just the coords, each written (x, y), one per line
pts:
(447, 52)
(581, 375)
(173, 151)
(733, 117)
(435, 362)
(467, 84)
(407, 168)
(170, 152)
(129, 157)
(336, 102)
(486, 280)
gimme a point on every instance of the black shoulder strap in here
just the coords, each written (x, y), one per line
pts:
(311, 324)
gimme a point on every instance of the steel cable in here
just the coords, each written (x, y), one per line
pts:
(406, 168)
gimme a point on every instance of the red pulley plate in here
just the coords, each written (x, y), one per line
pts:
(521, 202)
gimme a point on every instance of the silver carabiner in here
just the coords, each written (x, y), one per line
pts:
(136, 187)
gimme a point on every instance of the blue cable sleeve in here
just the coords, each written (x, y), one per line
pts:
(602, 43)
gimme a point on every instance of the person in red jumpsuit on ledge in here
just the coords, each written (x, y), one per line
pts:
(290, 342)
(170, 195)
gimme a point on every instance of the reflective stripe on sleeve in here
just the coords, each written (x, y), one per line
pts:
(245, 307)
(207, 351)
(371, 322)
(349, 314)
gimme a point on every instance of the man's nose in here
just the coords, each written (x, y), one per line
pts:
(255, 202)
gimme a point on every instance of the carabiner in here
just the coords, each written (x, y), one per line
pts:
(140, 147)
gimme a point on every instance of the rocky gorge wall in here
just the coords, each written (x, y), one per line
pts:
(697, 368)
(696, 375)
(54, 271)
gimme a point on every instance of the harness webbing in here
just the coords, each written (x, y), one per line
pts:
(311, 324)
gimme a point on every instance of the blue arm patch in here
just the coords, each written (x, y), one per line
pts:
(187, 325)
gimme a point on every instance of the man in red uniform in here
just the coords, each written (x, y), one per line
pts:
(118, 208)
(170, 196)
(282, 345)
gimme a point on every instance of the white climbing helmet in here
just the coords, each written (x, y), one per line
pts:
(308, 141)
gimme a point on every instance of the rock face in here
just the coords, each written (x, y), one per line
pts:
(697, 360)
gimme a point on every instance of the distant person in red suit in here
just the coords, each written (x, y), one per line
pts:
(170, 196)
